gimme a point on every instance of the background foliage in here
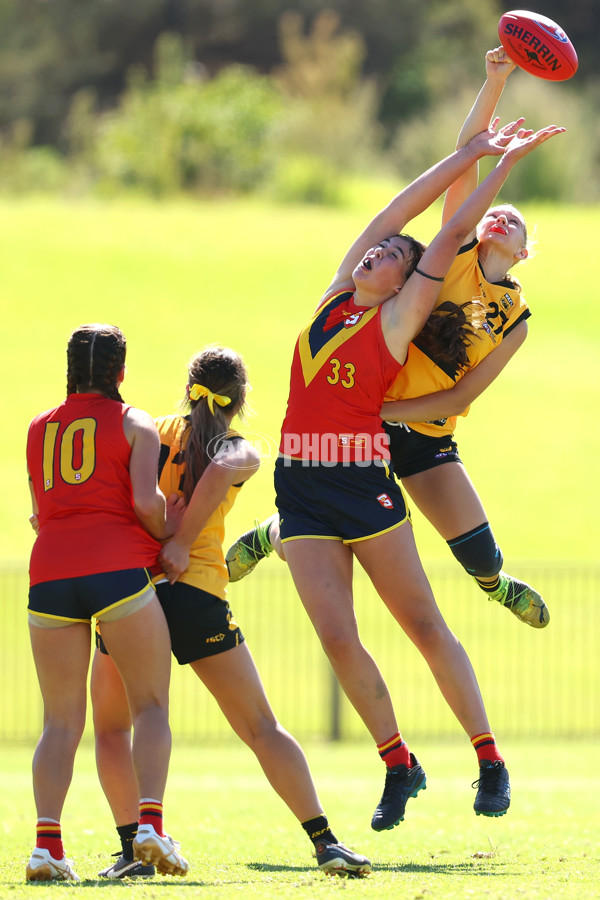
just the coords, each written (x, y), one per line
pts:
(283, 97)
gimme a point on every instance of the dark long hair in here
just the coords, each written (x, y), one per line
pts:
(95, 358)
(448, 332)
(223, 372)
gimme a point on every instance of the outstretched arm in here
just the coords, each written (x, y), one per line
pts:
(498, 67)
(455, 400)
(415, 198)
(404, 315)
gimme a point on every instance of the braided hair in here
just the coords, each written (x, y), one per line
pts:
(95, 358)
(223, 372)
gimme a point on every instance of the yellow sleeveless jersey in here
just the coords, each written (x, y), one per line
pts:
(207, 568)
(497, 308)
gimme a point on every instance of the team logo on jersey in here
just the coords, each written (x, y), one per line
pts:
(328, 331)
(386, 501)
(486, 327)
(506, 301)
(350, 440)
(352, 320)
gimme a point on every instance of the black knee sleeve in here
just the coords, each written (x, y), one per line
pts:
(477, 552)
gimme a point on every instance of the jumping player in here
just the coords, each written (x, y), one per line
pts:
(455, 339)
(335, 496)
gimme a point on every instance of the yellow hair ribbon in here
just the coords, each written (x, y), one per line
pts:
(198, 390)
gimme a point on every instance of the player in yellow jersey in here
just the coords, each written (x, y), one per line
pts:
(205, 461)
(424, 453)
(480, 308)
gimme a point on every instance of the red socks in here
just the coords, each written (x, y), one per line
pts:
(485, 747)
(151, 813)
(49, 837)
(394, 752)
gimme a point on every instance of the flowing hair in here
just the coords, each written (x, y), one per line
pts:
(221, 371)
(448, 332)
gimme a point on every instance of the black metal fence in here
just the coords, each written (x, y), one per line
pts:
(535, 683)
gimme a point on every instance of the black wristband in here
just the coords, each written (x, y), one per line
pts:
(425, 275)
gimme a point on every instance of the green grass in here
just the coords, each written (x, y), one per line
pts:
(181, 274)
(241, 839)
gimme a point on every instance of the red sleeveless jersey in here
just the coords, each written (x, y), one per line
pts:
(340, 373)
(78, 461)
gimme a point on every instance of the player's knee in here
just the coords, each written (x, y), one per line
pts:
(477, 552)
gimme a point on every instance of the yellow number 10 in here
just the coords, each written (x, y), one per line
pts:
(68, 472)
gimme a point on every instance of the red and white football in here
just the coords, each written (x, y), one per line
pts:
(538, 45)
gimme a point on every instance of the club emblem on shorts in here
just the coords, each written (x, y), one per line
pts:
(352, 320)
(386, 501)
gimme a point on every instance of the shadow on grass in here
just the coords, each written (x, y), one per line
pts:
(433, 868)
(461, 869)
(128, 883)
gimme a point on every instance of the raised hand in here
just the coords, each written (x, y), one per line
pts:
(494, 141)
(525, 140)
(498, 64)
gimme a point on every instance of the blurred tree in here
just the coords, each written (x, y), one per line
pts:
(51, 49)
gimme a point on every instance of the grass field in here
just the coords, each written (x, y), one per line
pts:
(242, 841)
(177, 275)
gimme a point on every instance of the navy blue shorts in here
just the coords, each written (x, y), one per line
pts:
(107, 595)
(200, 624)
(346, 501)
(413, 452)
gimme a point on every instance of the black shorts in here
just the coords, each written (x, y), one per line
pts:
(413, 452)
(346, 501)
(104, 594)
(200, 624)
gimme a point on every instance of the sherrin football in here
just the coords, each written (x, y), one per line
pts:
(538, 45)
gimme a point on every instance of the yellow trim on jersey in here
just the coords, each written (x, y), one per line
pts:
(312, 364)
(314, 537)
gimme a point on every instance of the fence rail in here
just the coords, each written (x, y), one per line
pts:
(535, 683)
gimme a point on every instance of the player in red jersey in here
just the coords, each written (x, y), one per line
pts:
(99, 514)
(209, 463)
(334, 494)
(455, 340)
